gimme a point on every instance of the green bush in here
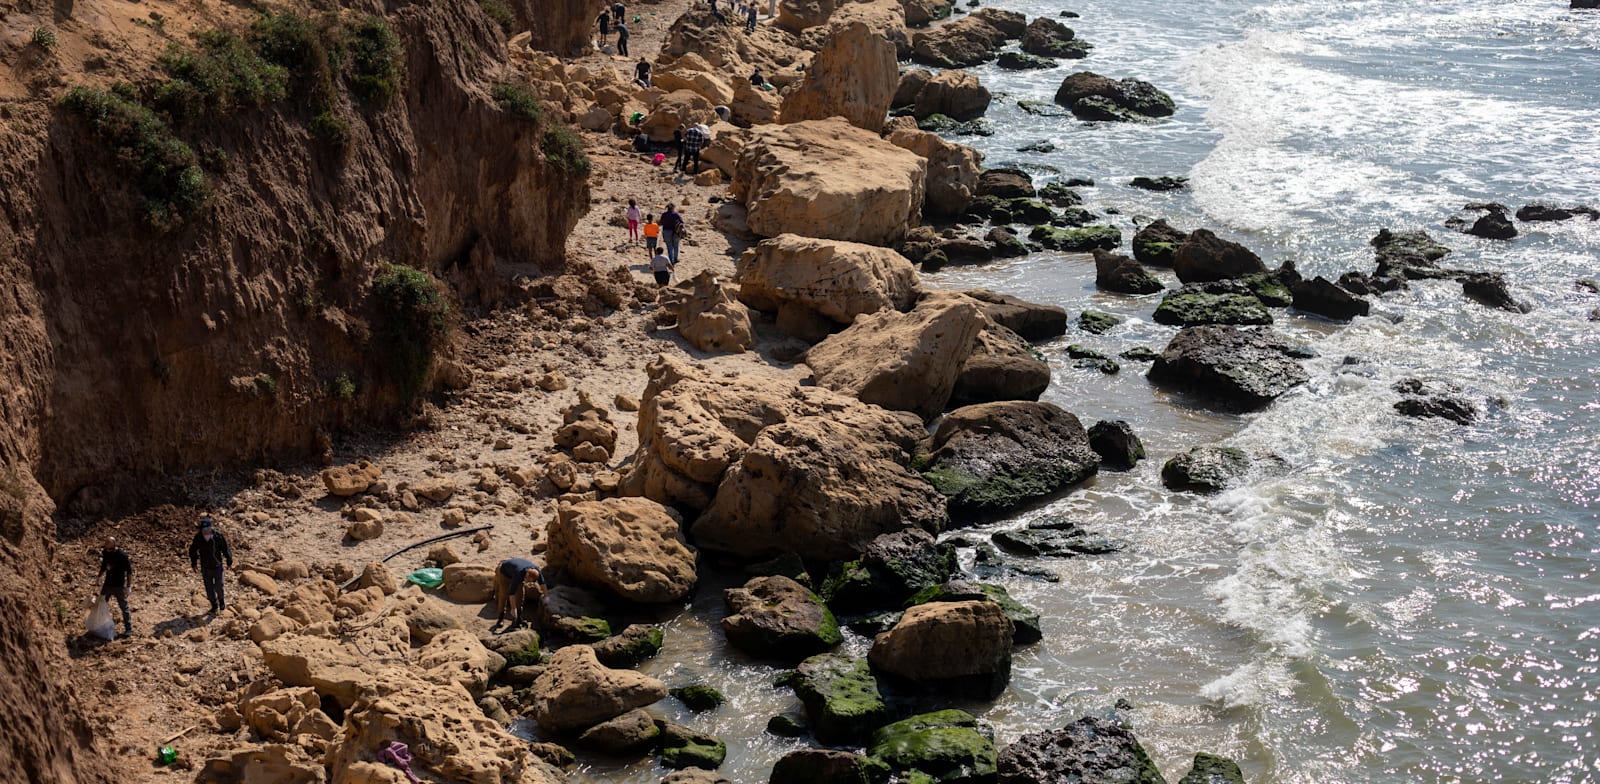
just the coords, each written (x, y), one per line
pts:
(330, 127)
(168, 172)
(342, 388)
(374, 61)
(517, 101)
(413, 319)
(44, 37)
(564, 150)
(501, 14)
(221, 74)
(308, 51)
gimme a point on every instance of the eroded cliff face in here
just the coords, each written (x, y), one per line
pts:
(129, 353)
(563, 27)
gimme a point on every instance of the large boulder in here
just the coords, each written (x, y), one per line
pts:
(1031, 320)
(691, 72)
(775, 617)
(797, 15)
(751, 105)
(1005, 183)
(969, 41)
(576, 691)
(952, 169)
(1204, 256)
(842, 699)
(829, 179)
(1118, 273)
(679, 107)
(892, 568)
(956, 647)
(988, 459)
(1241, 369)
(1090, 96)
(1157, 244)
(903, 361)
(711, 319)
(695, 424)
(947, 746)
(730, 50)
(1046, 37)
(830, 279)
(1326, 298)
(954, 94)
(854, 77)
(469, 583)
(630, 734)
(821, 487)
(632, 547)
(1002, 366)
(457, 656)
(1087, 750)
(920, 12)
(1190, 306)
(886, 17)
(1025, 621)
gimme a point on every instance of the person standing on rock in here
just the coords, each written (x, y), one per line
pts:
(207, 554)
(117, 569)
(677, 141)
(662, 268)
(622, 39)
(672, 232)
(750, 19)
(515, 582)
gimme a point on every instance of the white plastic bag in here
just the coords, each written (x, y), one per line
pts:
(99, 621)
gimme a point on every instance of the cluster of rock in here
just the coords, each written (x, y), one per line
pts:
(1494, 219)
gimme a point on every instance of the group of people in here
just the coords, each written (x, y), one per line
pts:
(745, 11)
(615, 18)
(209, 555)
(669, 232)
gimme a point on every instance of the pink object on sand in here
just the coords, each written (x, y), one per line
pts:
(660, 158)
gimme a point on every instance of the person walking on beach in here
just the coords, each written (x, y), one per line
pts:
(750, 19)
(207, 554)
(662, 267)
(694, 140)
(633, 221)
(117, 569)
(622, 39)
(652, 230)
(677, 141)
(671, 232)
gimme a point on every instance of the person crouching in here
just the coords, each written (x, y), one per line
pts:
(518, 591)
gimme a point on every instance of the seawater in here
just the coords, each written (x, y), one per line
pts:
(1413, 600)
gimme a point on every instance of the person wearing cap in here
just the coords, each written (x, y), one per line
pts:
(118, 571)
(207, 554)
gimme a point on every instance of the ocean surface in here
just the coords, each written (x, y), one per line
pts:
(1414, 600)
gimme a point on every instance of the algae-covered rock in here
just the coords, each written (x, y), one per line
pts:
(1115, 272)
(1211, 769)
(948, 746)
(635, 644)
(1054, 538)
(1205, 469)
(1097, 322)
(1091, 96)
(1076, 240)
(1157, 244)
(776, 617)
(993, 457)
(698, 696)
(841, 696)
(632, 732)
(891, 569)
(682, 747)
(1187, 308)
(1242, 369)
(1025, 620)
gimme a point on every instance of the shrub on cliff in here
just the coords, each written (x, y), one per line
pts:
(518, 101)
(413, 319)
(167, 171)
(307, 50)
(564, 150)
(221, 74)
(374, 61)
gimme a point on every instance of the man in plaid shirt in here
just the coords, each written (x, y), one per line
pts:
(694, 140)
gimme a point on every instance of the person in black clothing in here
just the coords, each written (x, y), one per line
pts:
(118, 571)
(677, 141)
(641, 73)
(517, 583)
(207, 553)
(757, 79)
(605, 26)
(622, 39)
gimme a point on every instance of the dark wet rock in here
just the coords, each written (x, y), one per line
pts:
(947, 746)
(1117, 445)
(1211, 769)
(1411, 255)
(1204, 256)
(1439, 400)
(1002, 366)
(635, 644)
(1157, 244)
(1084, 358)
(1242, 369)
(1091, 96)
(1005, 243)
(1027, 211)
(682, 747)
(843, 702)
(890, 570)
(1078, 351)
(1364, 284)
(1025, 620)
(778, 618)
(787, 565)
(1059, 194)
(1077, 240)
(1594, 315)
(1587, 284)
(1079, 182)
(1325, 298)
(1041, 146)
(990, 458)
(634, 732)
(1074, 217)
(1489, 288)
(874, 624)
(788, 725)
(1494, 226)
(1005, 184)
(1159, 183)
(1189, 307)
(943, 123)
(1022, 61)
(1055, 538)
(1028, 319)
(987, 564)
(828, 766)
(1097, 322)
(1205, 469)
(1141, 354)
(1046, 37)
(1043, 109)
(1115, 272)
(969, 41)
(1087, 750)
(698, 697)
(1548, 212)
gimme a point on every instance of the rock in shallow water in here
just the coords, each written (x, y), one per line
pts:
(1087, 750)
(776, 617)
(949, 746)
(1242, 369)
(990, 458)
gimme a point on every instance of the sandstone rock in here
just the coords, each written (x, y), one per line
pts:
(954, 94)
(902, 361)
(1046, 37)
(377, 575)
(362, 530)
(829, 179)
(275, 763)
(952, 169)
(1006, 183)
(362, 601)
(290, 570)
(456, 656)
(572, 612)
(329, 666)
(969, 41)
(626, 402)
(436, 490)
(712, 320)
(273, 714)
(775, 617)
(1031, 320)
(836, 280)
(751, 105)
(1091, 96)
(631, 733)
(1243, 369)
(920, 12)
(990, 458)
(453, 518)
(1088, 749)
(797, 15)
(692, 73)
(1205, 257)
(584, 422)
(576, 691)
(635, 644)
(911, 82)
(259, 581)
(1118, 273)
(679, 107)
(632, 547)
(350, 480)
(425, 616)
(963, 647)
(853, 76)
(886, 17)
(1002, 366)
(469, 583)
(554, 381)
(1025, 621)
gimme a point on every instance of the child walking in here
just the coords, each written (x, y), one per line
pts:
(633, 221)
(652, 230)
